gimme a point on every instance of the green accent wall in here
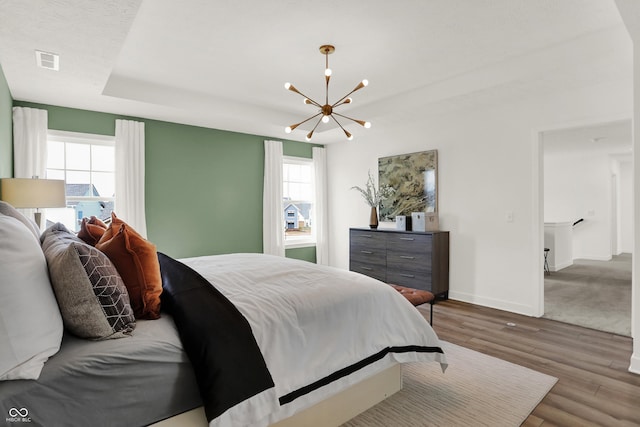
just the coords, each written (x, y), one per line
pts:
(203, 186)
(305, 254)
(6, 129)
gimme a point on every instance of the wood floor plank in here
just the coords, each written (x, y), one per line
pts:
(623, 409)
(594, 386)
(532, 421)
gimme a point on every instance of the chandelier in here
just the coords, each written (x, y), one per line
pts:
(327, 111)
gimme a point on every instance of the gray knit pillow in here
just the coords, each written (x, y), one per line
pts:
(91, 295)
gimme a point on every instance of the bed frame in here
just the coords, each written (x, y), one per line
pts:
(330, 412)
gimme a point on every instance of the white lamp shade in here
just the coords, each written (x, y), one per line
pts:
(33, 193)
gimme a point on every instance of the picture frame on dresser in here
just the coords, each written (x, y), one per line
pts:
(415, 259)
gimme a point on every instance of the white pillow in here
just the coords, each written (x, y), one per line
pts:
(8, 210)
(30, 321)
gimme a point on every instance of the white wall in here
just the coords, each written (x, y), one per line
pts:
(577, 184)
(488, 165)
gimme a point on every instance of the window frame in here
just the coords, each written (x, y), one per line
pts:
(85, 139)
(300, 241)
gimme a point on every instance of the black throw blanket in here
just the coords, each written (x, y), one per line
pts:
(228, 364)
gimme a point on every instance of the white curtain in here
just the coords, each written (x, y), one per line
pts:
(29, 142)
(130, 204)
(30, 126)
(272, 211)
(320, 207)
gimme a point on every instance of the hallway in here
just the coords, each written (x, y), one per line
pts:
(593, 294)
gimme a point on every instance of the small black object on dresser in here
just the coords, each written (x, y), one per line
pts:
(414, 259)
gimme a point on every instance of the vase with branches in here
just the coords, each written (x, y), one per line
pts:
(373, 197)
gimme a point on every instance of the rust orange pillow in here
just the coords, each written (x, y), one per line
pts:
(91, 230)
(136, 260)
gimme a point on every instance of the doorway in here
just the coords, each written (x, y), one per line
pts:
(587, 176)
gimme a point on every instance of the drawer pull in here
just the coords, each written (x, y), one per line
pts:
(407, 257)
(411, 276)
(366, 268)
(407, 238)
(366, 252)
(367, 236)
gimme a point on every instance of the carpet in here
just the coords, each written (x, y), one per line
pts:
(475, 390)
(593, 294)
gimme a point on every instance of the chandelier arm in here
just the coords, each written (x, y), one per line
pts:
(326, 77)
(326, 97)
(295, 90)
(336, 120)
(360, 86)
(337, 104)
(310, 134)
(360, 122)
(311, 100)
(306, 120)
(314, 128)
(346, 132)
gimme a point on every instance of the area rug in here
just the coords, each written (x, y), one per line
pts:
(475, 390)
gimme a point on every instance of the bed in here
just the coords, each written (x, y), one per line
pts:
(320, 333)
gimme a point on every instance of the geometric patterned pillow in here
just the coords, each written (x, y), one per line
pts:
(108, 287)
(92, 297)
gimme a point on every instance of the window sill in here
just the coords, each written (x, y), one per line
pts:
(301, 244)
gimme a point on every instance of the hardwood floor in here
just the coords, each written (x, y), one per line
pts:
(594, 386)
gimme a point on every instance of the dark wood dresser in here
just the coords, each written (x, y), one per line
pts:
(415, 259)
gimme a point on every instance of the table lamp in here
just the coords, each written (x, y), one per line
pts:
(32, 193)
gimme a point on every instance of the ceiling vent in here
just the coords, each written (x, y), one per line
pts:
(50, 61)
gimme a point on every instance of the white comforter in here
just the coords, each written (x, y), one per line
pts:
(310, 321)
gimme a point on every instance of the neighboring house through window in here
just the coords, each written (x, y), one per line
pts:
(86, 162)
(298, 201)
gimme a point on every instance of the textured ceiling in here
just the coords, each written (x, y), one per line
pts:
(223, 63)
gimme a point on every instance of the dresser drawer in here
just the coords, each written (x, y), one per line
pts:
(367, 254)
(369, 240)
(410, 242)
(411, 261)
(377, 271)
(410, 279)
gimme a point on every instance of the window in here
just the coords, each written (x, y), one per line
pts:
(86, 163)
(298, 201)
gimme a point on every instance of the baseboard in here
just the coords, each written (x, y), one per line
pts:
(560, 266)
(493, 303)
(594, 257)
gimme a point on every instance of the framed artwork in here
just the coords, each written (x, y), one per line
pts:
(414, 176)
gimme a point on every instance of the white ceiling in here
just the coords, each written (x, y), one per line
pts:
(223, 64)
(607, 138)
